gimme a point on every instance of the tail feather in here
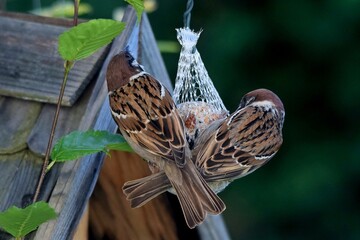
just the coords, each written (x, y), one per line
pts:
(195, 196)
(141, 191)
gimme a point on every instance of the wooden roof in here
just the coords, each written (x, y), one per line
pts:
(30, 76)
(30, 66)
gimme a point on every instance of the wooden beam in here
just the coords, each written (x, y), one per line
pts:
(30, 65)
(16, 120)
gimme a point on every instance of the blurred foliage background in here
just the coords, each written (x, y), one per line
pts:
(306, 51)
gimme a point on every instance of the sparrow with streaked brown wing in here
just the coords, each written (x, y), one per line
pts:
(228, 149)
(149, 120)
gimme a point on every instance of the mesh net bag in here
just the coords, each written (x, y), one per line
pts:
(195, 95)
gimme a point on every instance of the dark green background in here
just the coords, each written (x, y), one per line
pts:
(308, 52)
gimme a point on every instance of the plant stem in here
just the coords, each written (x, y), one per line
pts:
(68, 66)
(76, 12)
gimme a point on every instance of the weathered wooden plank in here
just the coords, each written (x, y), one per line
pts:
(18, 179)
(69, 120)
(30, 66)
(77, 179)
(64, 22)
(19, 175)
(74, 187)
(16, 120)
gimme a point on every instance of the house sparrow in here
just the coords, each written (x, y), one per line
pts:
(228, 149)
(149, 121)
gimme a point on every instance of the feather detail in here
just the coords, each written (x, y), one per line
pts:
(150, 113)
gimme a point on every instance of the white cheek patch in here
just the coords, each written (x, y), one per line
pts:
(138, 75)
(267, 105)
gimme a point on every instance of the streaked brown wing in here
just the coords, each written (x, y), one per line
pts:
(146, 112)
(238, 145)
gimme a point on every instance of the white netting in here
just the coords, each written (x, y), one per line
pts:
(198, 102)
(193, 83)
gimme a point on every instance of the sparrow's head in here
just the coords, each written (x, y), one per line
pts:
(263, 98)
(121, 67)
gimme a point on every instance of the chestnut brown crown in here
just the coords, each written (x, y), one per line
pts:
(262, 95)
(121, 67)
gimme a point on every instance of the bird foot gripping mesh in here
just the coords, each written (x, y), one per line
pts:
(198, 101)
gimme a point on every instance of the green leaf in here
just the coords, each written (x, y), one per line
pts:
(139, 7)
(120, 146)
(78, 144)
(20, 221)
(86, 38)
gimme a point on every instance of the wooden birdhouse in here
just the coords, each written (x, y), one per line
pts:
(88, 190)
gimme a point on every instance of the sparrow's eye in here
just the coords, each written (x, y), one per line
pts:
(128, 56)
